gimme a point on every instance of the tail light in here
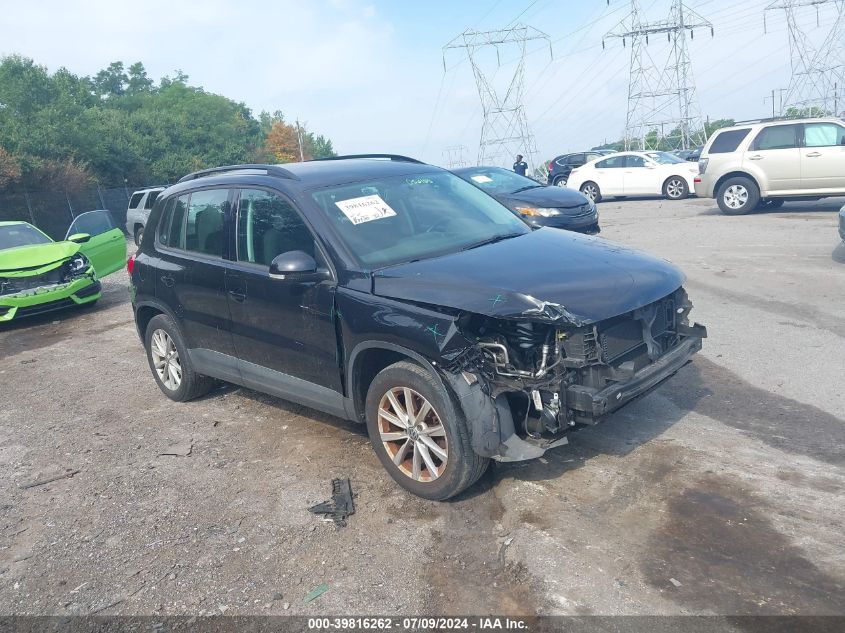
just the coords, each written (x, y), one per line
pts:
(549, 167)
(702, 165)
(130, 264)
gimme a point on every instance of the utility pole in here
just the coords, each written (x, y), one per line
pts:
(818, 72)
(454, 156)
(504, 130)
(780, 111)
(299, 138)
(661, 94)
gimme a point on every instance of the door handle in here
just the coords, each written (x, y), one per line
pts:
(168, 281)
(238, 295)
(813, 154)
(755, 157)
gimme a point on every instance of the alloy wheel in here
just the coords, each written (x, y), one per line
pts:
(561, 182)
(735, 196)
(590, 191)
(166, 359)
(674, 188)
(412, 434)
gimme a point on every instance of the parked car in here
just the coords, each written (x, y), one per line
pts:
(39, 275)
(538, 205)
(562, 166)
(634, 174)
(139, 210)
(383, 290)
(769, 162)
(689, 155)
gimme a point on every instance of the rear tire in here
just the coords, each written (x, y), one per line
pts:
(737, 196)
(433, 450)
(675, 188)
(560, 181)
(139, 235)
(167, 355)
(591, 190)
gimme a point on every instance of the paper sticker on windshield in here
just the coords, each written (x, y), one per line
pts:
(365, 209)
(481, 178)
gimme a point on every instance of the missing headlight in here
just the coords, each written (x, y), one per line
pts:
(76, 266)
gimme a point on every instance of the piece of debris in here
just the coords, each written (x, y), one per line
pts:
(675, 582)
(504, 546)
(27, 362)
(277, 595)
(341, 505)
(178, 450)
(316, 592)
(40, 482)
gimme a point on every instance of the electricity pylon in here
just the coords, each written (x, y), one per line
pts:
(454, 156)
(504, 130)
(818, 72)
(662, 108)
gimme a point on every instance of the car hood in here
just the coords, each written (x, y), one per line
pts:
(36, 255)
(555, 197)
(546, 275)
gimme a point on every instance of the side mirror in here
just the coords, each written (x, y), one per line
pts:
(295, 266)
(79, 238)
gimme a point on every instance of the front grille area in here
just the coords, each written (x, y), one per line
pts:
(624, 337)
(12, 285)
(44, 307)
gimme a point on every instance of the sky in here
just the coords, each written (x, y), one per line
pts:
(369, 74)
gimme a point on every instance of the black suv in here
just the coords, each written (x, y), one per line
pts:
(387, 291)
(562, 166)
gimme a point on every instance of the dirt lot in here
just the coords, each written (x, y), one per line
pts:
(721, 492)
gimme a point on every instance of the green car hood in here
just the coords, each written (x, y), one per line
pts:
(35, 256)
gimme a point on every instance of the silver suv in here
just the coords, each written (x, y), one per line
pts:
(766, 163)
(139, 210)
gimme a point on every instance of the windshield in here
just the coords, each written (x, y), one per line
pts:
(664, 158)
(403, 218)
(14, 235)
(497, 180)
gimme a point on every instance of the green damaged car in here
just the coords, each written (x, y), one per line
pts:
(39, 275)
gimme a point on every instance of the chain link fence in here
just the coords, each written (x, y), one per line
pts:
(53, 211)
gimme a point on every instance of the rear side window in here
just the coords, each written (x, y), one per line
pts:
(777, 137)
(151, 198)
(268, 226)
(135, 200)
(823, 135)
(176, 233)
(164, 222)
(728, 141)
(576, 159)
(204, 225)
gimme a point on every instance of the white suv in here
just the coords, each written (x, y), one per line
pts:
(765, 163)
(140, 205)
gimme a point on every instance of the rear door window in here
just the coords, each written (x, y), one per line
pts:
(611, 163)
(728, 141)
(777, 137)
(164, 222)
(176, 232)
(823, 135)
(135, 200)
(205, 222)
(151, 198)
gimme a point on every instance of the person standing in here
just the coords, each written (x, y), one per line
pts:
(520, 166)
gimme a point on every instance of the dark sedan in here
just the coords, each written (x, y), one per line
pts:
(537, 204)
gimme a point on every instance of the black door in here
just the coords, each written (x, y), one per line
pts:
(191, 274)
(281, 329)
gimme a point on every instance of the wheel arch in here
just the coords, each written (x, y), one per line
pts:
(735, 174)
(144, 313)
(367, 359)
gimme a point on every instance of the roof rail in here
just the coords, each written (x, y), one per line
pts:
(785, 118)
(396, 157)
(272, 170)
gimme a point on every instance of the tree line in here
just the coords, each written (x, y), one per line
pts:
(64, 131)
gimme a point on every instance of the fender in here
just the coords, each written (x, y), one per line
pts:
(151, 302)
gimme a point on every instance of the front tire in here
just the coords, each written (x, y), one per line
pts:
(591, 190)
(419, 434)
(167, 355)
(675, 188)
(738, 196)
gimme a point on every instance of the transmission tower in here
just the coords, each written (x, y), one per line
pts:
(818, 72)
(662, 108)
(454, 156)
(504, 131)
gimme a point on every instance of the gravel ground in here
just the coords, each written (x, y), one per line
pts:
(719, 493)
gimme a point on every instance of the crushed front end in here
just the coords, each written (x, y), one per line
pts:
(545, 375)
